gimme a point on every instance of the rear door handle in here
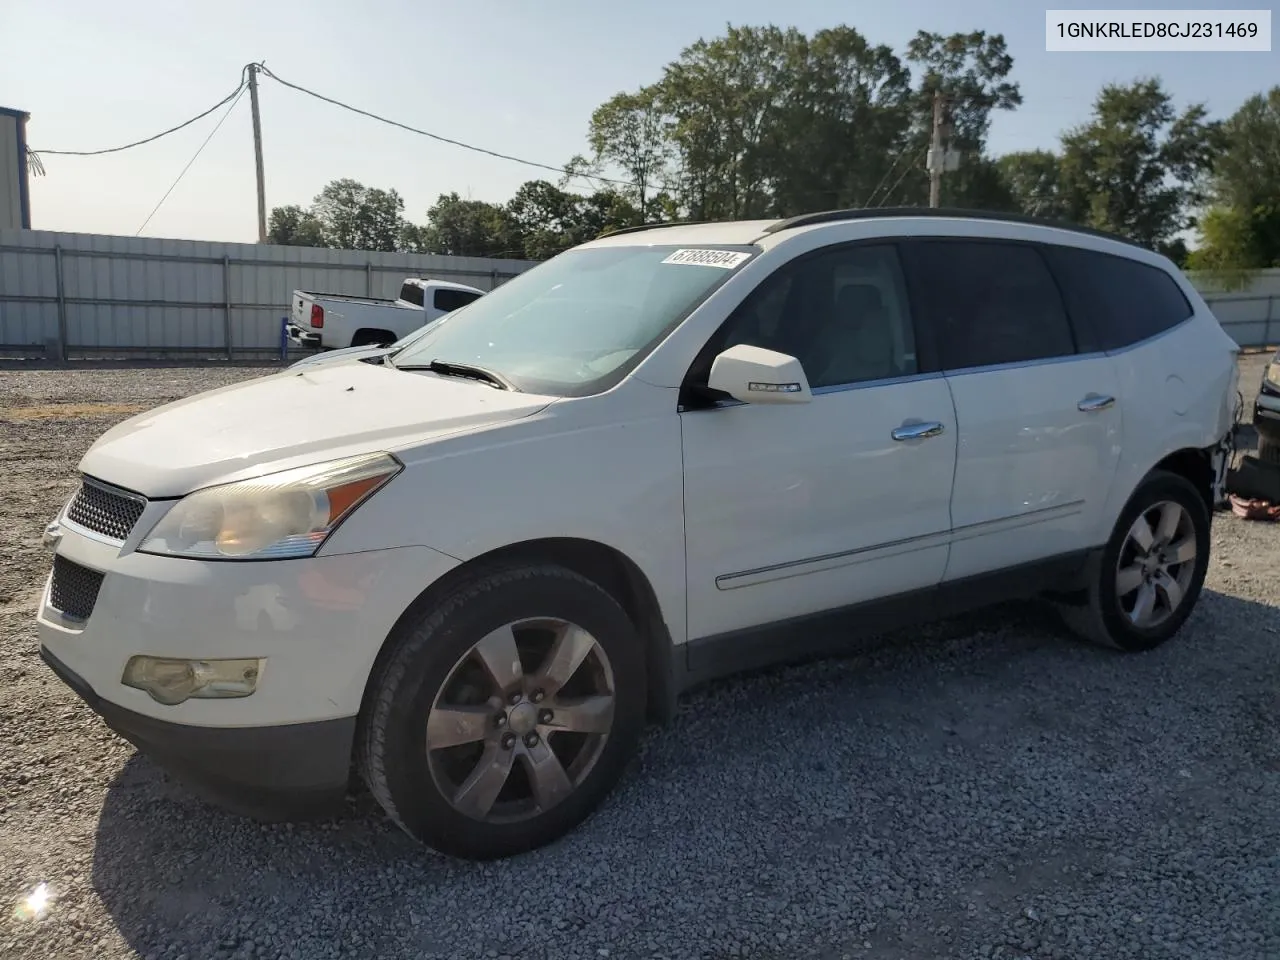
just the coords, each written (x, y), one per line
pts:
(917, 431)
(1095, 401)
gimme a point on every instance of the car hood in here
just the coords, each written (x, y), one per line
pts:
(293, 418)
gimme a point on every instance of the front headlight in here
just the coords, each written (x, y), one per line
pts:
(281, 515)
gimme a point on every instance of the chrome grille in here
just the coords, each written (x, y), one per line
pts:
(74, 589)
(106, 511)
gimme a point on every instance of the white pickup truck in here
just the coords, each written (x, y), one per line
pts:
(330, 321)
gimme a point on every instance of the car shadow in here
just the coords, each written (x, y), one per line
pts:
(180, 878)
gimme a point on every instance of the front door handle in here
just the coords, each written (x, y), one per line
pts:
(917, 431)
(1093, 402)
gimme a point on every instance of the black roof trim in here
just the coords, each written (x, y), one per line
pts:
(872, 213)
(16, 114)
(650, 226)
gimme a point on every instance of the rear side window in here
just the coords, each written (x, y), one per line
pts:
(1126, 301)
(411, 293)
(990, 303)
(445, 299)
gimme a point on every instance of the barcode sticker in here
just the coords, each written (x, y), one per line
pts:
(728, 259)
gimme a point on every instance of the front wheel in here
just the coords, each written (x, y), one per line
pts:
(1147, 579)
(505, 715)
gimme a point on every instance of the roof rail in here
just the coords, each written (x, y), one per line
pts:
(649, 226)
(871, 213)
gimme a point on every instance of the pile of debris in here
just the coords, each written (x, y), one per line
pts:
(1253, 489)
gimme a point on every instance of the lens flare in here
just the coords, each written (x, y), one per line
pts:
(35, 904)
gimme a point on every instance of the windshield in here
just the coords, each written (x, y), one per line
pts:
(579, 322)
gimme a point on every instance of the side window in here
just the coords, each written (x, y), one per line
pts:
(446, 299)
(1127, 300)
(991, 303)
(843, 314)
(411, 293)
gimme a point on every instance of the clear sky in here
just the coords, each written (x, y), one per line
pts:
(516, 77)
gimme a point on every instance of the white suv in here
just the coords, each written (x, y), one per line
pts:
(475, 568)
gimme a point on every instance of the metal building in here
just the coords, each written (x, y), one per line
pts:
(15, 197)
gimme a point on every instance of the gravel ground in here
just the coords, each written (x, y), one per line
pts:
(985, 788)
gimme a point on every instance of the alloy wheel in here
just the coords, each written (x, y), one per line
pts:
(1156, 564)
(521, 719)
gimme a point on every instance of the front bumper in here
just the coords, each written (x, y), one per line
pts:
(318, 622)
(285, 772)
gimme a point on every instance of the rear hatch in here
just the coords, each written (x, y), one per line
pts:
(305, 311)
(301, 310)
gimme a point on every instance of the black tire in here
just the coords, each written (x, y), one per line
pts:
(1268, 452)
(391, 748)
(1100, 616)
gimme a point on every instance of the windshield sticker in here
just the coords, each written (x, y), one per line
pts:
(728, 259)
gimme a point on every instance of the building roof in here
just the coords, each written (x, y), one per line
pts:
(16, 114)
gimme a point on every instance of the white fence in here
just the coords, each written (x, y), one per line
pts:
(1251, 317)
(72, 295)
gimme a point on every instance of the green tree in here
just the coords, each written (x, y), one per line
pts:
(1242, 231)
(413, 238)
(764, 121)
(1227, 255)
(979, 185)
(844, 119)
(356, 217)
(544, 215)
(723, 97)
(292, 226)
(468, 228)
(552, 220)
(1138, 167)
(605, 210)
(1176, 250)
(1033, 179)
(971, 71)
(629, 131)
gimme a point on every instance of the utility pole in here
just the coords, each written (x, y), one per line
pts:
(935, 150)
(257, 151)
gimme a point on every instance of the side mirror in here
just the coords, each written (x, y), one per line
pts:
(756, 375)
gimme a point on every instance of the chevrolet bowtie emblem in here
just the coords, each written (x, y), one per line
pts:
(52, 534)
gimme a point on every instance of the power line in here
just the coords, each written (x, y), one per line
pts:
(234, 94)
(137, 143)
(200, 150)
(436, 136)
(34, 164)
(889, 173)
(897, 183)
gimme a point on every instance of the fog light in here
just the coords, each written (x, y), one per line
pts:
(171, 681)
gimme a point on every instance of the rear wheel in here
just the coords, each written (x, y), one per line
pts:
(1147, 579)
(504, 716)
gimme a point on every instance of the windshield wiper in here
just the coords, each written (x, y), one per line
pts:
(469, 371)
